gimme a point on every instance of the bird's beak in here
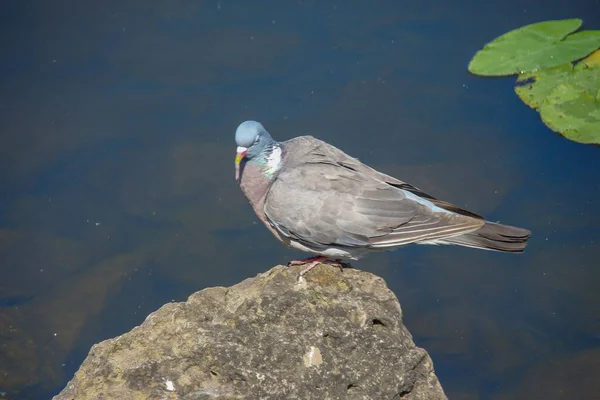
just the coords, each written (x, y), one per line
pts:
(241, 152)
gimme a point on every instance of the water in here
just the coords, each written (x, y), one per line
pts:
(116, 169)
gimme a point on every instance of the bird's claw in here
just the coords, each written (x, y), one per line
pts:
(314, 261)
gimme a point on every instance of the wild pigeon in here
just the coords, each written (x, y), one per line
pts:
(315, 198)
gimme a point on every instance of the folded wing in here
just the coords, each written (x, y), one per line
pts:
(320, 202)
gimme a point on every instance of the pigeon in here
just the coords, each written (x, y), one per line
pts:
(315, 198)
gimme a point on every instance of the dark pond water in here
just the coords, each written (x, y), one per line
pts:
(117, 190)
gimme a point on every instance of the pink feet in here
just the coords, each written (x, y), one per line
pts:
(313, 262)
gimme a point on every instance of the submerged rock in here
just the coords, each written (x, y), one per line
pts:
(334, 335)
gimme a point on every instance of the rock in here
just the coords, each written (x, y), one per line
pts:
(334, 335)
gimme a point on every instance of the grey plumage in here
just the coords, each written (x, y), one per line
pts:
(314, 197)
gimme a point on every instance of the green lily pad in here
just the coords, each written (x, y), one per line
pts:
(573, 112)
(533, 47)
(534, 87)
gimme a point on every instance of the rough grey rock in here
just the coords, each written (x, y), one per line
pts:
(335, 335)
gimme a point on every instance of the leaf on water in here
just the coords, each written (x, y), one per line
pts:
(573, 112)
(534, 87)
(593, 60)
(534, 47)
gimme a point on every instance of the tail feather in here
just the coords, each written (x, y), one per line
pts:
(493, 236)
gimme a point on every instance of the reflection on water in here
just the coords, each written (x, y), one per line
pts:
(116, 163)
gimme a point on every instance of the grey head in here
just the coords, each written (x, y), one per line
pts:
(255, 146)
(253, 140)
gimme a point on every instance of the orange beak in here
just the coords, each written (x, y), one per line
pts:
(241, 152)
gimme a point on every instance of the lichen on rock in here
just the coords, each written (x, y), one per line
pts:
(337, 335)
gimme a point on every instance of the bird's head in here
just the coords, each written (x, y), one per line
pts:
(253, 141)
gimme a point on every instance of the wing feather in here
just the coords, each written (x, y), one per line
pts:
(324, 203)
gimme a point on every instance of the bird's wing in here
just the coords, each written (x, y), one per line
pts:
(307, 149)
(324, 201)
